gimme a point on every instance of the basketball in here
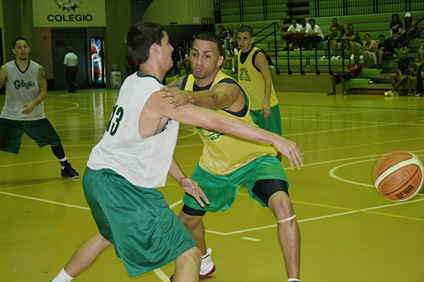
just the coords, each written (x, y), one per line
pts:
(398, 175)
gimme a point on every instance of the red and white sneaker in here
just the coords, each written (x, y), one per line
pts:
(207, 267)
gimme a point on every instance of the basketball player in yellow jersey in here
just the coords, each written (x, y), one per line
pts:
(255, 78)
(226, 162)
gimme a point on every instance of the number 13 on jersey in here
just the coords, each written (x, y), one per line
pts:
(115, 118)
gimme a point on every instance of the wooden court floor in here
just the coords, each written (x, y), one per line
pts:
(349, 232)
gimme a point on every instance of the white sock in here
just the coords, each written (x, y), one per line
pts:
(62, 160)
(233, 69)
(63, 277)
(293, 280)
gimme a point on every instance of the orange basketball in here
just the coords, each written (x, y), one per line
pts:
(398, 176)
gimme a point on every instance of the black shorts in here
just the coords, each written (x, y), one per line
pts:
(11, 131)
(346, 76)
(264, 189)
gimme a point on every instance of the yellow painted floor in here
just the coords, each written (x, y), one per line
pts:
(349, 232)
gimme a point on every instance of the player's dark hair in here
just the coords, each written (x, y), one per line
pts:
(140, 38)
(311, 20)
(17, 39)
(212, 37)
(381, 35)
(246, 28)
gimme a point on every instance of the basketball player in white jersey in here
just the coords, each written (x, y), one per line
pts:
(134, 157)
(23, 111)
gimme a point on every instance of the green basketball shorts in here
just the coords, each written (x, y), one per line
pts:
(272, 123)
(11, 131)
(221, 191)
(137, 221)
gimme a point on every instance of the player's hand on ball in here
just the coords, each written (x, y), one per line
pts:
(192, 188)
(179, 97)
(291, 151)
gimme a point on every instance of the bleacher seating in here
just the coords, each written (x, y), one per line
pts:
(374, 25)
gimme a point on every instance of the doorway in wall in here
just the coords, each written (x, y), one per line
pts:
(62, 38)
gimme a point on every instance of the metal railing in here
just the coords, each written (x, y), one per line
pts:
(273, 32)
(248, 10)
(405, 41)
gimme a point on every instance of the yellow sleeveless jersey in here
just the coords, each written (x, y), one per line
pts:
(252, 82)
(222, 153)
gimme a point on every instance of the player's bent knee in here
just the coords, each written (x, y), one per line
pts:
(281, 205)
(193, 254)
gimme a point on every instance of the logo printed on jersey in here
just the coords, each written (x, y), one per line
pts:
(210, 134)
(22, 84)
(244, 74)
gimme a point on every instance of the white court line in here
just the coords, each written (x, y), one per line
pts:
(322, 217)
(162, 276)
(251, 239)
(45, 201)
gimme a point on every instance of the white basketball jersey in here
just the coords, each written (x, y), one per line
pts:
(144, 162)
(22, 88)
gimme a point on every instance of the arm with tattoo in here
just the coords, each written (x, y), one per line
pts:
(42, 85)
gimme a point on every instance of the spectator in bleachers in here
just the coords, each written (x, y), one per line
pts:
(419, 84)
(410, 29)
(353, 40)
(184, 61)
(420, 52)
(313, 35)
(412, 75)
(231, 37)
(222, 34)
(385, 51)
(292, 31)
(334, 42)
(396, 28)
(338, 26)
(401, 76)
(370, 49)
(300, 38)
(230, 55)
(352, 71)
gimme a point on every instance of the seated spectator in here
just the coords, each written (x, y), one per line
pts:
(401, 76)
(230, 55)
(396, 28)
(338, 26)
(370, 49)
(420, 52)
(419, 84)
(333, 42)
(353, 39)
(385, 50)
(292, 31)
(300, 37)
(313, 35)
(352, 71)
(412, 76)
(231, 37)
(222, 34)
(410, 30)
(184, 61)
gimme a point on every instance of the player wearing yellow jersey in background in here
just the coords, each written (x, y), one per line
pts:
(227, 162)
(255, 78)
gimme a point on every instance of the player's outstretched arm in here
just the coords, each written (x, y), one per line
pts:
(190, 186)
(221, 96)
(206, 118)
